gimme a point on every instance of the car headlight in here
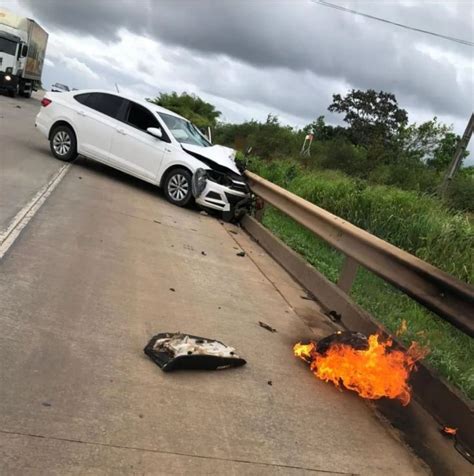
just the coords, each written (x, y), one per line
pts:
(8, 77)
(199, 182)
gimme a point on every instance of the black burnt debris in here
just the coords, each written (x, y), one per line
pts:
(173, 351)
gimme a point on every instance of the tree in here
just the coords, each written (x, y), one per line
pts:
(190, 106)
(371, 115)
(323, 131)
(431, 143)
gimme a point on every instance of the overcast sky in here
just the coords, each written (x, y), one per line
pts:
(254, 57)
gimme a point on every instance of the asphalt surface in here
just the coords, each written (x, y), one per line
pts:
(25, 161)
(88, 282)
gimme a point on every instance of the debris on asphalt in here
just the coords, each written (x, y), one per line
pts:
(241, 254)
(79, 177)
(173, 289)
(203, 213)
(233, 232)
(46, 404)
(334, 316)
(266, 326)
(203, 253)
(156, 221)
(308, 298)
(18, 107)
(173, 351)
(355, 340)
(368, 365)
(270, 382)
(448, 431)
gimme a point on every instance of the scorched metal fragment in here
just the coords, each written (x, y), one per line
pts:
(173, 351)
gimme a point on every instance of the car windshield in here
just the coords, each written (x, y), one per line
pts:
(184, 131)
(7, 46)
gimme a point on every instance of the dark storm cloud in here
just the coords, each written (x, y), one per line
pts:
(296, 35)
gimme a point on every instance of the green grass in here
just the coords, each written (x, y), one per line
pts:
(418, 224)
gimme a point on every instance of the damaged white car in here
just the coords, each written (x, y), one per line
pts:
(148, 142)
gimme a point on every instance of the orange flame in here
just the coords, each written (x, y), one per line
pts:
(374, 373)
(449, 431)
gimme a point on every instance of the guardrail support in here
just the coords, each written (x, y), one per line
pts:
(348, 274)
(450, 298)
(260, 210)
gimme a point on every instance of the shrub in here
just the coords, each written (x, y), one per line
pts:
(419, 224)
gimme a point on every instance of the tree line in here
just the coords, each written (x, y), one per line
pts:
(376, 144)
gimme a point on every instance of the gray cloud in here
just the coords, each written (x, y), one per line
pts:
(296, 36)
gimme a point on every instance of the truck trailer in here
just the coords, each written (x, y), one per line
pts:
(22, 50)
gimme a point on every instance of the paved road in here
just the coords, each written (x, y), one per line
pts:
(25, 162)
(84, 287)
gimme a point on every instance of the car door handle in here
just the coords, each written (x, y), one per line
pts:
(81, 113)
(121, 131)
(167, 150)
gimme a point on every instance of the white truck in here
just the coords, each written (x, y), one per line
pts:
(22, 50)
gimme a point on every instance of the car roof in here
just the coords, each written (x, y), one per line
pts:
(142, 102)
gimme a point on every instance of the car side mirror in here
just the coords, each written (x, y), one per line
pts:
(155, 131)
(24, 50)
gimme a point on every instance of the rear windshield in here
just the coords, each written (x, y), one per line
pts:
(7, 46)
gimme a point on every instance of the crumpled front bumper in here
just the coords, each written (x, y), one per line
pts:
(226, 198)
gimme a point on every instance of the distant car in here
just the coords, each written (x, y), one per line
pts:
(147, 141)
(59, 88)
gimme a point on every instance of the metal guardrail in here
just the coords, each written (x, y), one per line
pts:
(450, 298)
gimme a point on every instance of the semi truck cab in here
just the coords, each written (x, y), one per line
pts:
(13, 50)
(22, 49)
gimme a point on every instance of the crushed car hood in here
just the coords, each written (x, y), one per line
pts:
(216, 154)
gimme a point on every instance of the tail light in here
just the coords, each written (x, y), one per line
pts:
(46, 102)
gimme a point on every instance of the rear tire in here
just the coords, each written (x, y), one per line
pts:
(63, 143)
(177, 187)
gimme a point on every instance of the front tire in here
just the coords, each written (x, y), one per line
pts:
(177, 187)
(63, 143)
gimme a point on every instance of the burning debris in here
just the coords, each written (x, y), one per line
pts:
(367, 366)
(448, 431)
(171, 351)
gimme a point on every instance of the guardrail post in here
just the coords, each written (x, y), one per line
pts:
(259, 210)
(348, 274)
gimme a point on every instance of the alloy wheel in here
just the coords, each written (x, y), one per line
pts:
(178, 187)
(62, 143)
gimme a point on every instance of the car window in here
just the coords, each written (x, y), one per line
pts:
(82, 98)
(141, 118)
(184, 131)
(7, 46)
(105, 103)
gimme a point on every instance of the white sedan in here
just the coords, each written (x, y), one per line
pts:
(146, 141)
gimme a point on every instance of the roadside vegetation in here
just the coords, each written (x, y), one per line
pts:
(423, 227)
(382, 174)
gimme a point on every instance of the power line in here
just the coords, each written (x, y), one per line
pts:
(348, 10)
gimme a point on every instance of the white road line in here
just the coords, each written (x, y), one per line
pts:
(8, 237)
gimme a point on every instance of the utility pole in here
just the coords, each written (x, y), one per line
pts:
(458, 155)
